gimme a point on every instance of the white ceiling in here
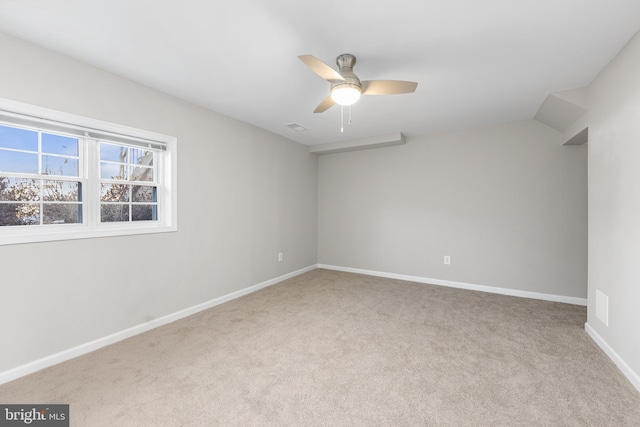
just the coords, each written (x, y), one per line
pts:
(477, 62)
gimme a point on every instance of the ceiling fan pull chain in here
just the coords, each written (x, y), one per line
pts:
(349, 115)
(341, 119)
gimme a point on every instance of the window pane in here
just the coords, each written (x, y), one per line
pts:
(139, 173)
(9, 214)
(19, 214)
(113, 171)
(57, 144)
(19, 189)
(61, 191)
(143, 212)
(114, 153)
(20, 139)
(63, 166)
(114, 192)
(143, 193)
(13, 161)
(114, 213)
(61, 214)
(141, 157)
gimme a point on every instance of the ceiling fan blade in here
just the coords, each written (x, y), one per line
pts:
(321, 69)
(387, 87)
(326, 103)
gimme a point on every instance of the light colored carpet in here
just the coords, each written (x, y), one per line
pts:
(338, 349)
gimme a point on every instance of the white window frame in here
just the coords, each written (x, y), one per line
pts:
(96, 130)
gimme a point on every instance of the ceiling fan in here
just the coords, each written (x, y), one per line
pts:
(346, 87)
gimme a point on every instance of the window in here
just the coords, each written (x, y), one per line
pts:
(80, 178)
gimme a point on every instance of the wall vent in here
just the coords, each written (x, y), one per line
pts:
(602, 307)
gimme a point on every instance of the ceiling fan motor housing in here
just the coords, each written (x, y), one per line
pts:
(345, 63)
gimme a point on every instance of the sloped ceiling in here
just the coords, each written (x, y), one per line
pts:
(477, 62)
(566, 112)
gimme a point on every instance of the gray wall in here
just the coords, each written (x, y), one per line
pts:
(614, 202)
(507, 203)
(244, 196)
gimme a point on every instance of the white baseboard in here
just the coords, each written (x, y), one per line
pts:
(631, 375)
(460, 285)
(82, 349)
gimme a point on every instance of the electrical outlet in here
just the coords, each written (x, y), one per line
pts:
(280, 257)
(447, 260)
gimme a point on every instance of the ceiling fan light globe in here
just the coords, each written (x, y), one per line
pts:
(346, 94)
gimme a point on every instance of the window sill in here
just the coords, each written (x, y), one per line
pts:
(73, 232)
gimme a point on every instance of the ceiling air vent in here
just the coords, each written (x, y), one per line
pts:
(296, 127)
